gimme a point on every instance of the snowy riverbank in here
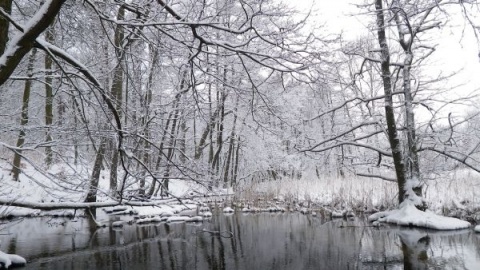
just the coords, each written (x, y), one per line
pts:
(454, 195)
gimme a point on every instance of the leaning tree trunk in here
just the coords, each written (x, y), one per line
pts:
(24, 119)
(95, 177)
(393, 139)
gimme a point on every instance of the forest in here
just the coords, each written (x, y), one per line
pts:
(151, 108)
(105, 103)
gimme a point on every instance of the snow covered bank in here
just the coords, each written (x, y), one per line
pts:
(453, 194)
(63, 187)
(409, 215)
(11, 260)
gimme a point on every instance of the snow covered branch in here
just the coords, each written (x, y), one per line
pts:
(21, 43)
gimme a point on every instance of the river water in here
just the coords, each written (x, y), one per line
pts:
(238, 241)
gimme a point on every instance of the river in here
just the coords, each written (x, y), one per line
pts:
(238, 241)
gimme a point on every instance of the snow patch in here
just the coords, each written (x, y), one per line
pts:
(228, 210)
(409, 215)
(149, 220)
(7, 260)
(184, 219)
(410, 185)
(118, 224)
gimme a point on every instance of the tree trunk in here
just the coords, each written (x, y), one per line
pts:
(24, 119)
(117, 94)
(146, 103)
(235, 169)
(389, 110)
(49, 37)
(411, 155)
(183, 88)
(97, 168)
(151, 191)
(412, 161)
(231, 148)
(221, 97)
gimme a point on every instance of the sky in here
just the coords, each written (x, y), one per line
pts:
(457, 51)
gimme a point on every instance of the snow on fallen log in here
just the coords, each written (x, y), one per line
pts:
(477, 229)
(409, 215)
(76, 205)
(7, 260)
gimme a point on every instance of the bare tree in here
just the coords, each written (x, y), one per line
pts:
(231, 45)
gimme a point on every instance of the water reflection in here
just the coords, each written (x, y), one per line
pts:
(239, 241)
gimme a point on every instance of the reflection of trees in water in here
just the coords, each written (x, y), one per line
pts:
(260, 241)
(415, 250)
(412, 248)
(458, 248)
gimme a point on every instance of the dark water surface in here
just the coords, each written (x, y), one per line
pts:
(246, 241)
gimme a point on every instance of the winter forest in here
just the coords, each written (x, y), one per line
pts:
(154, 107)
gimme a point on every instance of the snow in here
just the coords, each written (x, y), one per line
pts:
(119, 223)
(409, 215)
(149, 220)
(204, 208)
(195, 219)
(184, 219)
(410, 185)
(228, 210)
(13, 45)
(477, 229)
(338, 214)
(8, 260)
(36, 189)
(161, 210)
(177, 219)
(370, 194)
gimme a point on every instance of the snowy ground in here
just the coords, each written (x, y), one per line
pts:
(408, 215)
(454, 195)
(70, 185)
